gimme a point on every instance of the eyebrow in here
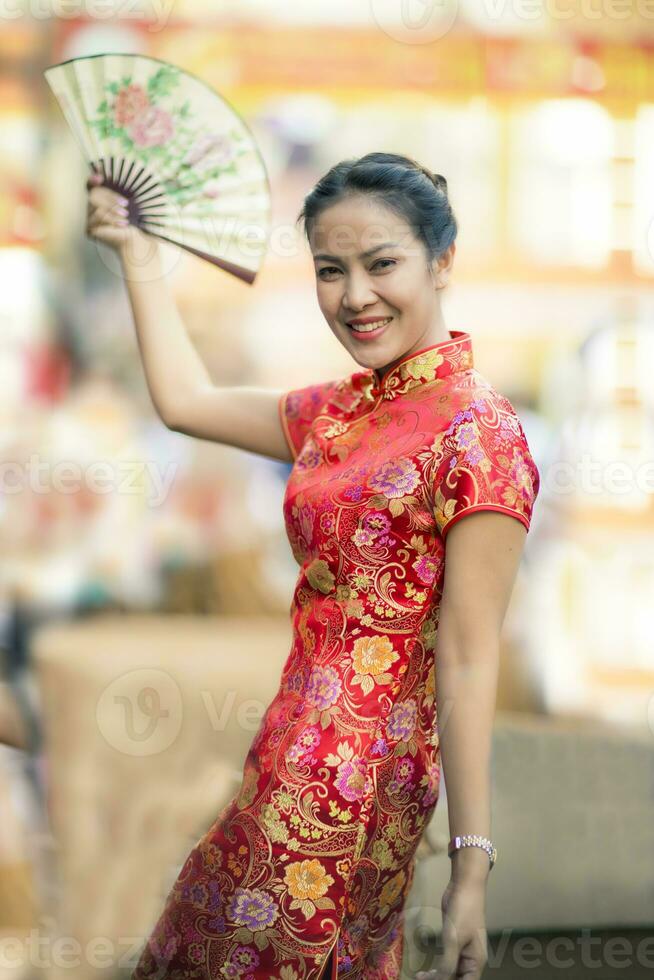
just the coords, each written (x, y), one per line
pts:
(363, 255)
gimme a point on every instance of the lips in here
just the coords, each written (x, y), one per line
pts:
(369, 324)
(363, 320)
(370, 331)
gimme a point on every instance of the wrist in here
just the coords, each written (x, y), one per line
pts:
(133, 240)
(470, 864)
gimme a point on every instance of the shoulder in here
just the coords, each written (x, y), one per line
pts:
(335, 395)
(482, 459)
(475, 401)
(302, 409)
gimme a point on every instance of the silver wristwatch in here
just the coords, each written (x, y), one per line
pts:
(473, 840)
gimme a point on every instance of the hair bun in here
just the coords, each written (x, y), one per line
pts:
(437, 180)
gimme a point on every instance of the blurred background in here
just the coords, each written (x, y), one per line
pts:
(161, 603)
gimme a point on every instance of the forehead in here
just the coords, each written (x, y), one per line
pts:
(356, 224)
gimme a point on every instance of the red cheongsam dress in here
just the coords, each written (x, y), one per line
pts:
(316, 852)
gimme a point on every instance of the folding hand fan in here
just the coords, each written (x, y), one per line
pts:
(181, 155)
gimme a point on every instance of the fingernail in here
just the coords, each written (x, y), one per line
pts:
(123, 221)
(123, 200)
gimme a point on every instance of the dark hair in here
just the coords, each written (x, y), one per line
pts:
(401, 184)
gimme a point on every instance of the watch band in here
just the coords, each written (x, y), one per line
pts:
(473, 840)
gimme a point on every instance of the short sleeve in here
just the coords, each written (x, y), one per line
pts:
(299, 407)
(484, 463)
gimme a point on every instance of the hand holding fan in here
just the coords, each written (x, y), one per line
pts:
(184, 159)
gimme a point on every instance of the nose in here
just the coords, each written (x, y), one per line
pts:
(358, 294)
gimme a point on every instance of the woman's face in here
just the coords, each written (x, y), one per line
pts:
(395, 282)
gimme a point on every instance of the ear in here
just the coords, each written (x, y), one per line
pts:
(442, 266)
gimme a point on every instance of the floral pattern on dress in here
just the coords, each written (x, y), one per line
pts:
(317, 850)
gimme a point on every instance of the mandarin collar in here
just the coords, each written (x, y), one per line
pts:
(429, 364)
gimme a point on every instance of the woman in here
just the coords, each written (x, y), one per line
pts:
(304, 874)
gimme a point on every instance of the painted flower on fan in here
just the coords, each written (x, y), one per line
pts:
(307, 879)
(253, 908)
(130, 102)
(396, 478)
(152, 127)
(210, 149)
(212, 189)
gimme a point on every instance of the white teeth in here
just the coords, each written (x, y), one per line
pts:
(367, 327)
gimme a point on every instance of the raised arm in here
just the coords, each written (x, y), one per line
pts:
(179, 384)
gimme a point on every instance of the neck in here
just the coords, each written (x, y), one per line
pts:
(437, 335)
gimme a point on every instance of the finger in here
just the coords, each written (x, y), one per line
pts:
(441, 972)
(104, 197)
(112, 214)
(102, 223)
(94, 180)
(471, 968)
(446, 968)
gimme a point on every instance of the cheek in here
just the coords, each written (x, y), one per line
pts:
(329, 298)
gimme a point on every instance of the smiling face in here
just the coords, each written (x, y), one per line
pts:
(394, 282)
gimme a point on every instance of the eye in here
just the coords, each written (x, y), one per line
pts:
(333, 268)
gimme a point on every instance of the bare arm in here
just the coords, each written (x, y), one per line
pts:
(179, 384)
(181, 389)
(482, 558)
